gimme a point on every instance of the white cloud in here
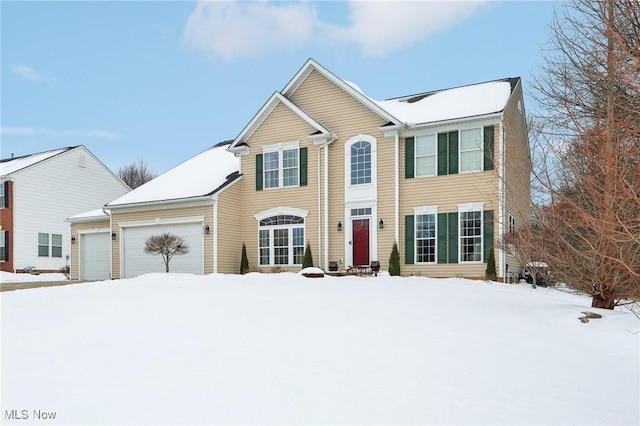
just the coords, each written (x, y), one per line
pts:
(28, 73)
(60, 134)
(234, 30)
(247, 29)
(382, 27)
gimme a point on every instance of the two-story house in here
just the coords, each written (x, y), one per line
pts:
(443, 173)
(37, 193)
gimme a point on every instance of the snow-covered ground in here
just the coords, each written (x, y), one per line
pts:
(9, 278)
(284, 349)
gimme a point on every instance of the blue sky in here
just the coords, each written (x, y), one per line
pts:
(162, 81)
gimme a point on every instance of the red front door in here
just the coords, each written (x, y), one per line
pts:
(360, 242)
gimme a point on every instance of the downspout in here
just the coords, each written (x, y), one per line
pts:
(326, 199)
(319, 211)
(502, 258)
(326, 204)
(110, 247)
(396, 171)
(215, 234)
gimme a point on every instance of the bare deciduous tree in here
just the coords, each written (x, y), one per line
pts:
(136, 174)
(167, 245)
(587, 228)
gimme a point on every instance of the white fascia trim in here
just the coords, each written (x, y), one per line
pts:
(322, 138)
(280, 146)
(425, 210)
(469, 207)
(93, 231)
(280, 210)
(161, 221)
(264, 112)
(146, 205)
(453, 124)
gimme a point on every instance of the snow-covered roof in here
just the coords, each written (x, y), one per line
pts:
(449, 104)
(12, 165)
(198, 176)
(92, 214)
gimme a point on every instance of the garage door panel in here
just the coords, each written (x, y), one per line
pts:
(137, 262)
(95, 252)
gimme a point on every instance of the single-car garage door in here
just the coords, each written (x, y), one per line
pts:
(95, 252)
(136, 262)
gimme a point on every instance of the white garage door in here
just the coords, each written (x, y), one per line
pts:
(95, 251)
(137, 262)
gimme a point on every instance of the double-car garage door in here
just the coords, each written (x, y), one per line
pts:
(136, 262)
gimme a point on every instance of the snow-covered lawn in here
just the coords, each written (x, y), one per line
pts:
(284, 349)
(9, 278)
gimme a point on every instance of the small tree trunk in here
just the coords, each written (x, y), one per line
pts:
(607, 300)
(166, 266)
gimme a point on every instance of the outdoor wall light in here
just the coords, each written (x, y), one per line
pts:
(73, 240)
(339, 226)
(114, 236)
(206, 229)
(381, 224)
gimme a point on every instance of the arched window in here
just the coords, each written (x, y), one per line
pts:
(281, 240)
(360, 163)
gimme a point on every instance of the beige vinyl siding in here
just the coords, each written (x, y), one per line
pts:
(447, 192)
(76, 230)
(517, 168)
(281, 126)
(173, 212)
(230, 229)
(347, 117)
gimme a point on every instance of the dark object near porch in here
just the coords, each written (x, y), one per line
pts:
(333, 266)
(375, 267)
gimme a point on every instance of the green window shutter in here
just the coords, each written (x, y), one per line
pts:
(487, 230)
(442, 238)
(442, 154)
(453, 237)
(303, 166)
(453, 152)
(259, 173)
(409, 152)
(409, 240)
(488, 147)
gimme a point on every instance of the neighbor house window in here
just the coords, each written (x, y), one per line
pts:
(425, 150)
(471, 150)
(56, 245)
(3, 195)
(471, 236)
(425, 238)
(3, 246)
(281, 168)
(43, 244)
(281, 240)
(360, 163)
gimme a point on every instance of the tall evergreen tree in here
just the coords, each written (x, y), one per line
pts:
(394, 260)
(308, 257)
(244, 260)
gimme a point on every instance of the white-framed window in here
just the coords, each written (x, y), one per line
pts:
(3, 246)
(426, 155)
(425, 237)
(281, 165)
(3, 201)
(43, 244)
(471, 150)
(360, 163)
(471, 235)
(56, 245)
(281, 240)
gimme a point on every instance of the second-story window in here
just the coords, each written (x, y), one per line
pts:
(426, 155)
(471, 152)
(281, 168)
(360, 163)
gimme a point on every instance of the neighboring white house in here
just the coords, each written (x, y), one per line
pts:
(38, 192)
